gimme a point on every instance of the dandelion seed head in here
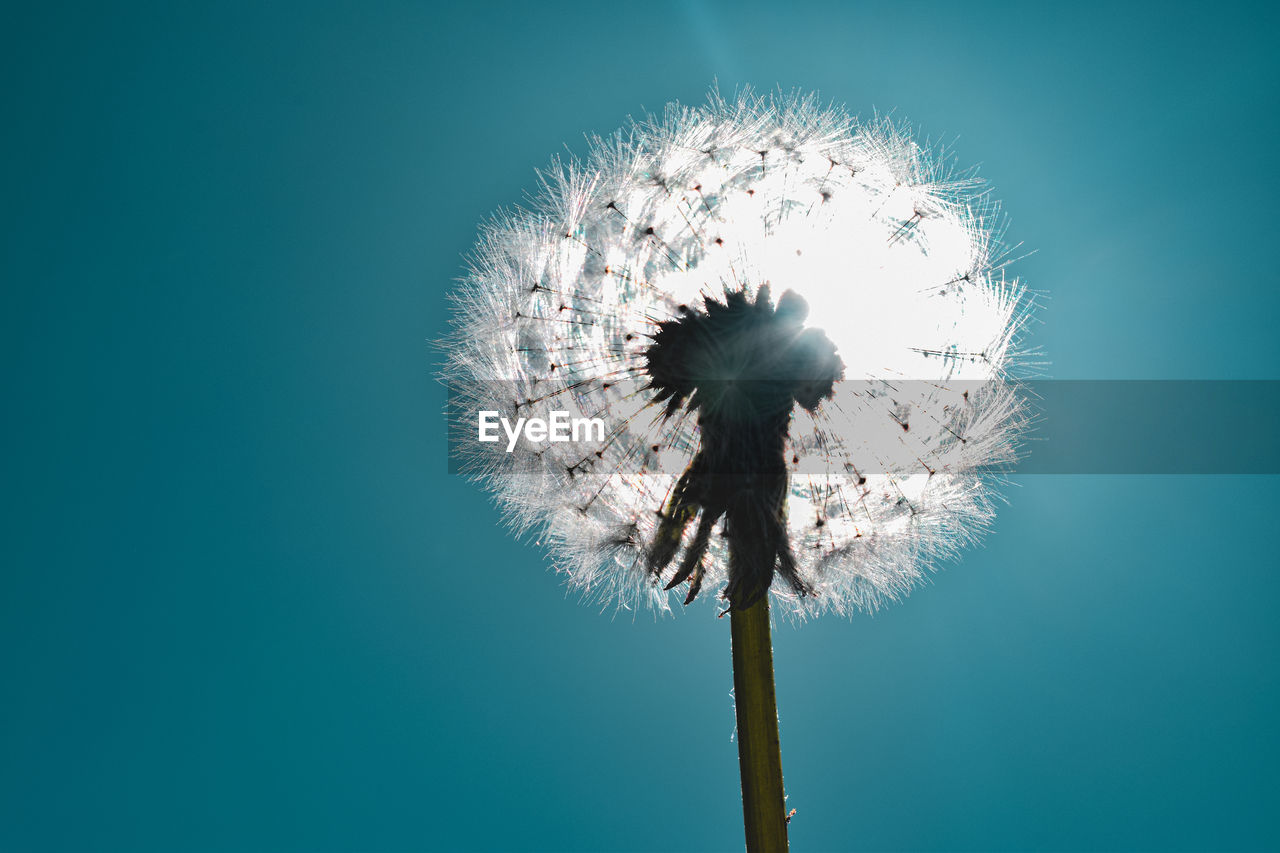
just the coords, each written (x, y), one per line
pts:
(900, 262)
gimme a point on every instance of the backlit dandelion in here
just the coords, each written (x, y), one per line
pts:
(794, 333)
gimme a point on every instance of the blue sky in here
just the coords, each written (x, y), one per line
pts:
(247, 608)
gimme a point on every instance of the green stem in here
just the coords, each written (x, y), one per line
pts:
(759, 754)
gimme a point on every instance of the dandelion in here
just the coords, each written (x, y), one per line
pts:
(796, 331)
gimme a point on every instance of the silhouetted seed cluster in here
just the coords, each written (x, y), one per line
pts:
(741, 366)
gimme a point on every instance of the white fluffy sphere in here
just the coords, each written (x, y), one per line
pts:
(899, 261)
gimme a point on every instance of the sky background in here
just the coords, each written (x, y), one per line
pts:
(246, 608)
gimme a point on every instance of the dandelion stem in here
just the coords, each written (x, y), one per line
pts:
(759, 753)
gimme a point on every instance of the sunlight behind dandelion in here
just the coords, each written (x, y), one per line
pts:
(899, 261)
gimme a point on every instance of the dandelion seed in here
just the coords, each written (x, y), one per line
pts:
(896, 260)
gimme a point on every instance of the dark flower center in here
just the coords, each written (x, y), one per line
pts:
(742, 366)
